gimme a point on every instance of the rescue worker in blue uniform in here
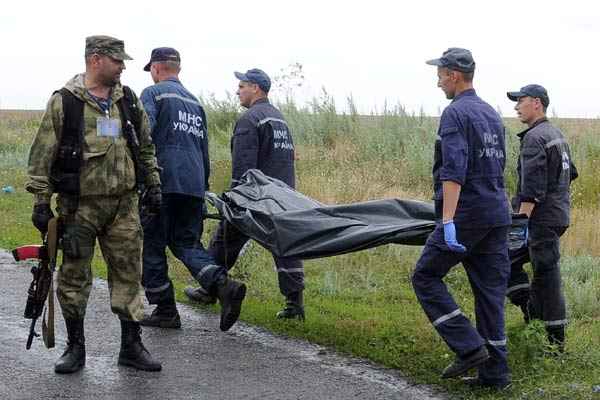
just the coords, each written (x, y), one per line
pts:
(545, 171)
(179, 133)
(473, 217)
(261, 140)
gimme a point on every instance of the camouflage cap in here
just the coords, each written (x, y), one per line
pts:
(106, 45)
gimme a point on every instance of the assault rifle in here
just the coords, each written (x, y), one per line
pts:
(42, 284)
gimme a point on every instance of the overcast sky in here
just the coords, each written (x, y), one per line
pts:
(374, 50)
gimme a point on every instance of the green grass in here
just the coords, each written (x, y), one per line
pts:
(362, 303)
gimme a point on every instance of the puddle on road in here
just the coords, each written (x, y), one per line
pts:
(285, 347)
(326, 358)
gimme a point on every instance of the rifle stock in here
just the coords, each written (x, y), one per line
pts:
(42, 285)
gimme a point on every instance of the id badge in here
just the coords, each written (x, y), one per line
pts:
(108, 127)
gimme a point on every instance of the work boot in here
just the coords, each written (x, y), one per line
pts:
(200, 295)
(476, 382)
(556, 337)
(463, 364)
(73, 359)
(163, 316)
(294, 307)
(230, 294)
(133, 353)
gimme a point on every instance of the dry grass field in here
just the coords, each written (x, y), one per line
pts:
(362, 303)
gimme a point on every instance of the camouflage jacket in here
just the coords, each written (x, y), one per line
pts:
(107, 168)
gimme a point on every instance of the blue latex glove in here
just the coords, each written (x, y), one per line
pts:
(450, 238)
(525, 235)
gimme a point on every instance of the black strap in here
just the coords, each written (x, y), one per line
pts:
(65, 169)
(131, 125)
(129, 109)
(73, 127)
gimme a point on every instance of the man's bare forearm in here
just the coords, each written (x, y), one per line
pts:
(526, 208)
(451, 192)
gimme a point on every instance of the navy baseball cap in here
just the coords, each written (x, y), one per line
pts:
(257, 76)
(456, 59)
(163, 54)
(537, 91)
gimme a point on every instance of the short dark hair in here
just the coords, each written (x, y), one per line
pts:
(468, 76)
(544, 107)
(174, 66)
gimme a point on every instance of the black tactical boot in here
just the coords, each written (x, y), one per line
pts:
(200, 295)
(294, 307)
(163, 316)
(462, 364)
(230, 294)
(73, 359)
(133, 353)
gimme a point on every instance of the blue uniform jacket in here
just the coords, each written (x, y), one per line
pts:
(471, 151)
(262, 140)
(545, 169)
(179, 132)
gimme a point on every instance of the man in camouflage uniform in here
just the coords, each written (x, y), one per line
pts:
(106, 208)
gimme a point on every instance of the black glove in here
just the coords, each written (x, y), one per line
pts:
(42, 214)
(153, 200)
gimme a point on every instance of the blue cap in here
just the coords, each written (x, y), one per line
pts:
(537, 91)
(456, 59)
(257, 76)
(162, 54)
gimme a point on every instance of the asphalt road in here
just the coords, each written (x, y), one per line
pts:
(199, 361)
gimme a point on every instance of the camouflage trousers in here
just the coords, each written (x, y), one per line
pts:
(114, 222)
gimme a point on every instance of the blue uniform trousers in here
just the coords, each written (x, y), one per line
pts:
(544, 296)
(226, 245)
(178, 226)
(487, 266)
